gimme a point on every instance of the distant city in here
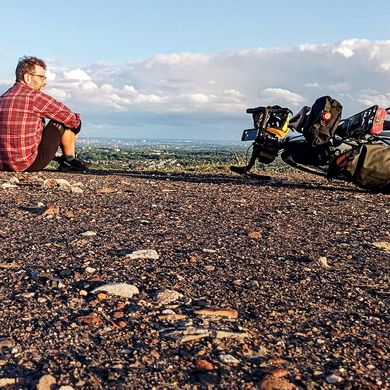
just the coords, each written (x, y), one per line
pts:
(125, 143)
(162, 154)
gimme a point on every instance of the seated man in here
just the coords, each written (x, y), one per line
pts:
(26, 144)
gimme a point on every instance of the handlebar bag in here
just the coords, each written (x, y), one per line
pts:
(370, 167)
(321, 124)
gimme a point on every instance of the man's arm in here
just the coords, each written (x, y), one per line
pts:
(50, 108)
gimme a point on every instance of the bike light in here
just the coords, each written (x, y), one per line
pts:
(377, 124)
(326, 115)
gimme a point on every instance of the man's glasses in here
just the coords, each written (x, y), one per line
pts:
(39, 75)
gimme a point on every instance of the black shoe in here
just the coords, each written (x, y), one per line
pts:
(239, 170)
(73, 165)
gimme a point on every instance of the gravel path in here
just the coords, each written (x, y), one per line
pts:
(150, 280)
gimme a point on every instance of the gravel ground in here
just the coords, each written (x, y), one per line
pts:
(207, 281)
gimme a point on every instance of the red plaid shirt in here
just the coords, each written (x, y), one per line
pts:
(22, 113)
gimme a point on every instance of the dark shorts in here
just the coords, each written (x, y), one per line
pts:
(50, 142)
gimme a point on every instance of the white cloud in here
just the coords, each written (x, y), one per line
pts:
(59, 94)
(76, 74)
(370, 98)
(281, 97)
(225, 84)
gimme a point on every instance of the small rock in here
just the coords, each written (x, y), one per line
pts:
(76, 190)
(254, 284)
(7, 382)
(167, 296)
(193, 258)
(102, 296)
(279, 373)
(6, 342)
(254, 234)
(50, 210)
(172, 317)
(28, 295)
(334, 379)
(144, 254)
(105, 190)
(88, 233)
(68, 214)
(228, 359)
(90, 270)
(10, 264)
(205, 250)
(62, 184)
(385, 245)
(323, 262)
(124, 290)
(46, 382)
(202, 364)
(14, 180)
(7, 185)
(230, 313)
(90, 319)
(272, 382)
(222, 334)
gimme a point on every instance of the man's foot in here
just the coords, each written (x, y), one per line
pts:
(75, 164)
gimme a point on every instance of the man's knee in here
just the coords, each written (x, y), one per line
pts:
(61, 128)
(56, 125)
(77, 129)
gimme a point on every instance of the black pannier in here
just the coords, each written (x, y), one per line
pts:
(370, 167)
(322, 121)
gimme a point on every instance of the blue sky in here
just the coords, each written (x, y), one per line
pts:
(188, 69)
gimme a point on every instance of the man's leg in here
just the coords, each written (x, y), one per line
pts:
(67, 145)
(68, 159)
(51, 140)
(55, 135)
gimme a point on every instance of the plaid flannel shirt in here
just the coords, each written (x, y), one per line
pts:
(22, 113)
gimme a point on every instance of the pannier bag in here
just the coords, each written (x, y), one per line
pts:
(370, 167)
(322, 121)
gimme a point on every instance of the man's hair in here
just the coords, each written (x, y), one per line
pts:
(27, 64)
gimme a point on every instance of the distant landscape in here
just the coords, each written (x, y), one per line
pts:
(167, 155)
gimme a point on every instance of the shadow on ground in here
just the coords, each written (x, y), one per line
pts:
(216, 178)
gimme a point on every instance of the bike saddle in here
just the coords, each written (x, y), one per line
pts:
(298, 120)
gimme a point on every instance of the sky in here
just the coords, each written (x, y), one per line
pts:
(189, 69)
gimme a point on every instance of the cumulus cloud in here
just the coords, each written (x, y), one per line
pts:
(76, 74)
(281, 97)
(223, 85)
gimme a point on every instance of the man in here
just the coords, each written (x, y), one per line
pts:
(26, 144)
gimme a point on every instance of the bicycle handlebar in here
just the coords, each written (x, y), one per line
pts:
(268, 109)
